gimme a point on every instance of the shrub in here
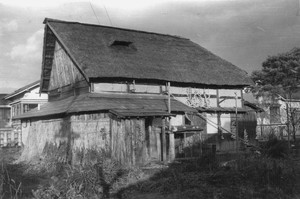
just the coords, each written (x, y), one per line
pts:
(88, 179)
(275, 148)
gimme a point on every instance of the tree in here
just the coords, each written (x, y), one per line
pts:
(280, 78)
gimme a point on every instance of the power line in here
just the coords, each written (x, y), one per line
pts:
(94, 13)
(107, 14)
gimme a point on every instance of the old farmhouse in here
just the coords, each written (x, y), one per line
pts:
(139, 96)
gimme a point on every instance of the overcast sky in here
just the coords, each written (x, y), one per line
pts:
(243, 32)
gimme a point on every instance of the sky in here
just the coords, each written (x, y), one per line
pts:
(243, 32)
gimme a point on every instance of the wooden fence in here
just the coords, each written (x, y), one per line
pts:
(9, 138)
(265, 130)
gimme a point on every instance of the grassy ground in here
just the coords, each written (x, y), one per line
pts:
(17, 183)
(248, 177)
(218, 177)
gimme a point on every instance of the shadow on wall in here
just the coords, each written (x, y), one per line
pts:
(45, 136)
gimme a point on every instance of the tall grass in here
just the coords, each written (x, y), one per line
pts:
(269, 175)
(92, 177)
(9, 188)
(273, 174)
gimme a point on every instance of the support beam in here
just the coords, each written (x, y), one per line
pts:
(171, 134)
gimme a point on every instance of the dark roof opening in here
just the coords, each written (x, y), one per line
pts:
(121, 43)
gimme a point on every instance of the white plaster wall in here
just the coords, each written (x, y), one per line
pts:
(212, 121)
(230, 93)
(35, 95)
(109, 87)
(177, 120)
(226, 122)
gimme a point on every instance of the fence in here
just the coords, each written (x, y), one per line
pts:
(9, 137)
(263, 131)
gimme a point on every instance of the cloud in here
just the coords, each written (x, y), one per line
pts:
(30, 50)
(36, 3)
(7, 26)
(11, 26)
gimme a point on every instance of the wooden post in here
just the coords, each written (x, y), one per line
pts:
(171, 147)
(288, 124)
(220, 135)
(219, 129)
(171, 134)
(164, 141)
(169, 97)
(21, 109)
(200, 143)
(236, 125)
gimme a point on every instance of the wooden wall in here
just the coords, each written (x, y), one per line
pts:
(65, 78)
(90, 131)
(131, 141)
(63, 70)
(135, 141)
(41, 132)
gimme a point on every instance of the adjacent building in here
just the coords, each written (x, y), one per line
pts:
(19, 102)
(276, 115)
(5, 123)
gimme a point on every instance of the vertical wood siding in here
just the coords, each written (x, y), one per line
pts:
(63, 70)
(129, 141)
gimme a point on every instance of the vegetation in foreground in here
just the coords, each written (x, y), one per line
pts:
(273, 174)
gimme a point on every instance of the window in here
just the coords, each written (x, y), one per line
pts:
(1, 139)
(8, 138)
(28, 107)
(274, 114)
(187, 121)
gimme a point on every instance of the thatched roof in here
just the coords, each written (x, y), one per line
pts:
(109, 52)
(109, 102)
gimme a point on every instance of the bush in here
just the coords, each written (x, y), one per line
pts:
(275, 148)
(89, 179)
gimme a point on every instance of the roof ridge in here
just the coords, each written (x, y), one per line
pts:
(46, 20)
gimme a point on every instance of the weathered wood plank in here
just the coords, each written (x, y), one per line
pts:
(63, 72)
